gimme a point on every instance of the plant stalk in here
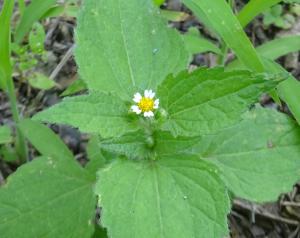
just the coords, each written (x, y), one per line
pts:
(21, 146)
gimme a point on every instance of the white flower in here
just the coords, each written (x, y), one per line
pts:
(145, 104)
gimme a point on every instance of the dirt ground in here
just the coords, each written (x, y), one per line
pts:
(272, 220)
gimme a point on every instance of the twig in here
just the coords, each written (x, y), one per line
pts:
(258, 210)
(63, 61)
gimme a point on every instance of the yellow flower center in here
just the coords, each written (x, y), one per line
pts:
(146, 104)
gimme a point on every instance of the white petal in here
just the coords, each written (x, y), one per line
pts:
(156, 103)
(148, 114)
(151, 94)
(136, 109)
(137, 97)
(147, 93)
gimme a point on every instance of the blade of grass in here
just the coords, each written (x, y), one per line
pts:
(35, 10)
(6, 73)
(273, 49)
(5, 66)
(279, 47)
(225, 23)
(254, 8)
(288, 90)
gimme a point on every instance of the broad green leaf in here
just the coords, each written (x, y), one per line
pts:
(5, 66)
(259, 157)
(126, 46)
(97, 113)
(47, 198)
(209, 99)
(196, 44)
(172, 197)
(44, 140)
(32, 13)
(254, 8)
(221, 18)
(41, 81)
(77, 86)
(135, 145)
(5, 135)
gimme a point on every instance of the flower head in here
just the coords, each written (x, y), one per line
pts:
(145, 104)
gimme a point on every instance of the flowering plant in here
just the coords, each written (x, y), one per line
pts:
(169, 161)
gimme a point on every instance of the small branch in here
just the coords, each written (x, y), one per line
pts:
(63, 61)
(258, 210)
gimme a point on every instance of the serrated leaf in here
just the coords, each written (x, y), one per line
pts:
(126, 49)
(259, 157)
(97, 113)
(44, 195)
(209, 99)
(176, 197)
(136, 145)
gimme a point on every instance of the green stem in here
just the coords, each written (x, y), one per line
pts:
(21, 146)
(21, 5)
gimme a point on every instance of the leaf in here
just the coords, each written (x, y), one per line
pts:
(126, 49)
(221, 18)
(253, 8)
(279, 47)
(97, 158)
(5, 66)
(135, 145)
(41, 81)
(159, 2)
(168, 198)
(8, 153)
(47, 198)
(289, 90)
(37, 38)
(32, 13)
(45, 140)
(196, 44)
(176, 16)
(193, 108)
(97, 113)
(5, 135)
(273, 50)
(77, 86)
(259, 157)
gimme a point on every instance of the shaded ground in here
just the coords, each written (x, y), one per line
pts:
(273, 220)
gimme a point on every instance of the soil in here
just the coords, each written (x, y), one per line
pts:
(272, 220)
